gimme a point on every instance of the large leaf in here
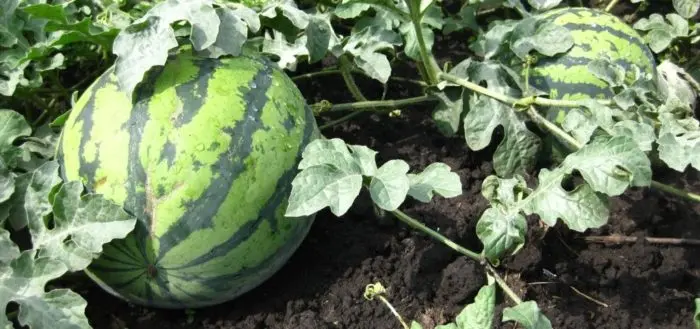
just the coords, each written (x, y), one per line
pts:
(12, 126)
(330, 177)
(517, 152)
(81, 225)
(390, 185)
(146, 43)
(29, 203)
(22, 280)
(527, 314)
(686, 8)
(366, 47)
(502, 227)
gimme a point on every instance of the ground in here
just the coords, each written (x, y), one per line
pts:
(633, 285)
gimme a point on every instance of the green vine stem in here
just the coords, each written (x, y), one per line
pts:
(345, 67)
(523, 102)
(389, 103)
(539, 119)
(429, 62)
(437, 236)
(339, 120)
(325, 72)
(313, 75)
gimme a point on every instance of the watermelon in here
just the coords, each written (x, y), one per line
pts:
(596, 34)
(203, 155)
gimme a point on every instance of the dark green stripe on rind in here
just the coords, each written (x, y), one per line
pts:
(199, 215)
(88, 168)
(282, 191)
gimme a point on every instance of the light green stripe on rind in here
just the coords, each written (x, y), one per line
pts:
(180, 145)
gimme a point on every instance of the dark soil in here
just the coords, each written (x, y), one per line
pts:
(643, 285)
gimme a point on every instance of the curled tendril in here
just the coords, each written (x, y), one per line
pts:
(374, 289)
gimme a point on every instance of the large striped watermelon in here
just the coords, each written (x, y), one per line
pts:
(596, 34)
(204, 157)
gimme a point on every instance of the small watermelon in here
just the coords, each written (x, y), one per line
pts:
(204, 157)
(596, 34)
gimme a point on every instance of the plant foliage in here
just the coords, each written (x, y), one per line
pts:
(611, 145)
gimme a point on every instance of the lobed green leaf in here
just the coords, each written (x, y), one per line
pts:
(527, 314)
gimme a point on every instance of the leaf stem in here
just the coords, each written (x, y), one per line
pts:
(390, 103)
(345, 67)
(512, 101)
(437, 236)
(677, 192)
(503, 284)
(431, 67)
(340, 120)
(315, 74)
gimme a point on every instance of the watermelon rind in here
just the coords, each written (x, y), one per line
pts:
(203, 155)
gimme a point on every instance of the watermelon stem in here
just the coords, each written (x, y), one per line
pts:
(383, 104)
(410, 221)
(349, 80)
(512, 101)
(353, 69)
(427, 59)
(315, 74)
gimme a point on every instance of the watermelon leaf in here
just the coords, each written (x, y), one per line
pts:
(7, 183)
(287, 53)
(365, 158)
(479, 314)
(148, 40)
(365, 46)
(435, 178)
(546, 39)
(332, 174)
(686, 8)
(527, 314)
(502, 227)
(29, 202)
(320, 37)
(678, 141)
(448, 112)
(543, 5)
(23, 280)
(81, 225)
(611, 165)
(660, 33)
(323, 186)
(12, 126)
(78, 230)
(233, 33)
(390, 185)
(432, 19)
(517, 153)
(288, 10)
